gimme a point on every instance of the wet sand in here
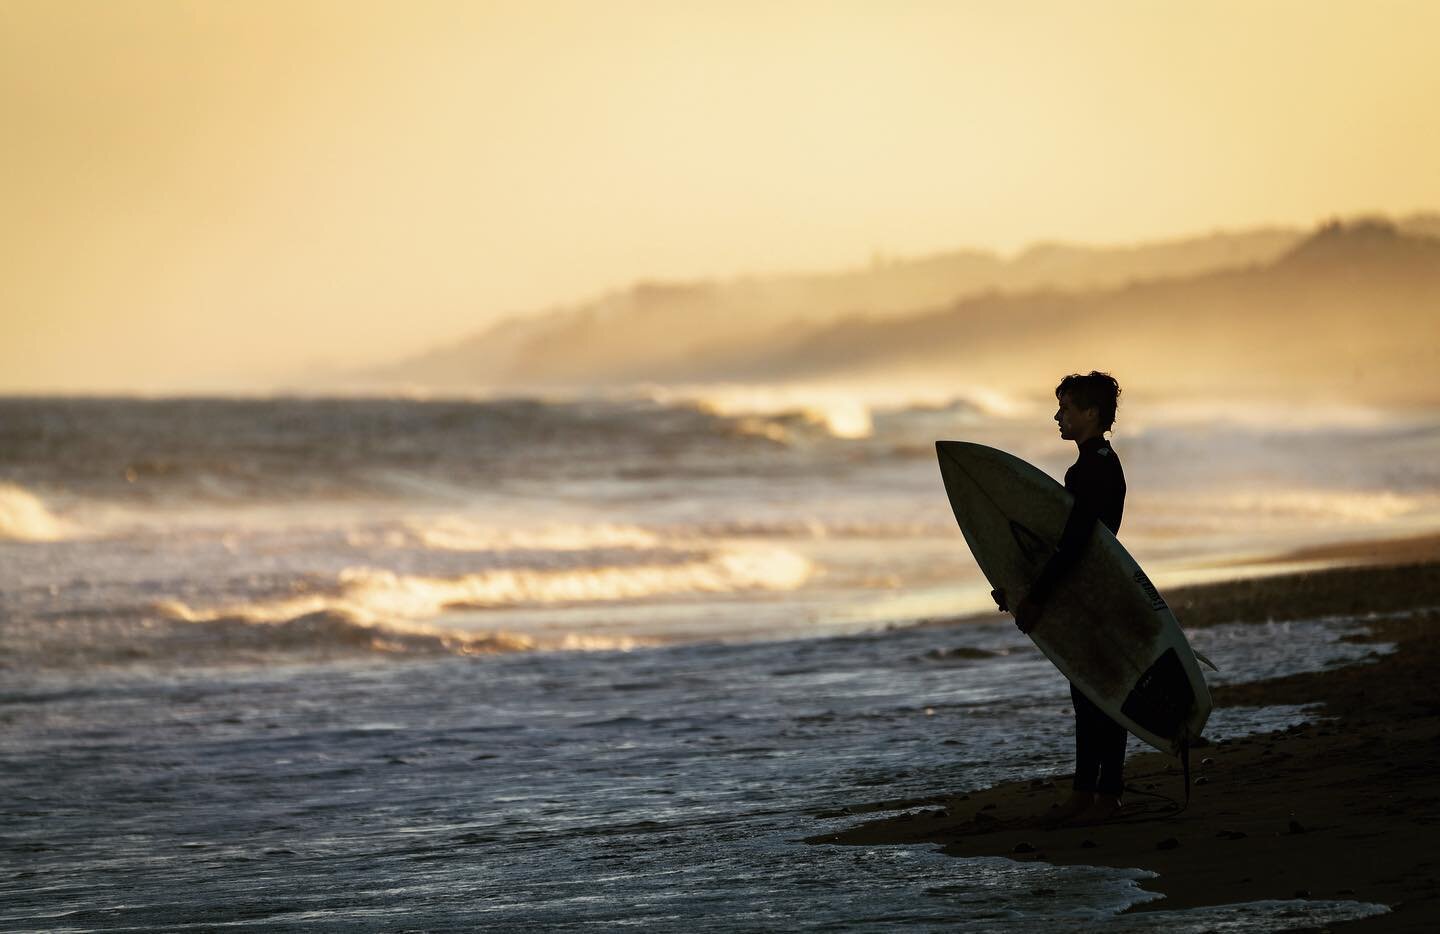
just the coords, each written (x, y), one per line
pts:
(1344, 807)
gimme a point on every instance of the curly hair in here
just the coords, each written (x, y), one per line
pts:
(1094, 390)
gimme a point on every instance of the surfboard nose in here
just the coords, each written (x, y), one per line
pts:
(951, 450)
(951, 456)
(961, 459)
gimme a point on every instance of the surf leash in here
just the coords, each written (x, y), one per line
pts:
(1177, 806)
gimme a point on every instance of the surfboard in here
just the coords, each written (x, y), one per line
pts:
(1105, 625)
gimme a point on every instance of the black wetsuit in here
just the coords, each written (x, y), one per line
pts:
(1098, 485)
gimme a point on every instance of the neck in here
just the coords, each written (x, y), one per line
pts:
(1081, 442)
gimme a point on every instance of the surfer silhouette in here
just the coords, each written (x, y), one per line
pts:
(1086, 411)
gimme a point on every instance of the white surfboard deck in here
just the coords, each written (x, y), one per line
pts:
(1105, 626)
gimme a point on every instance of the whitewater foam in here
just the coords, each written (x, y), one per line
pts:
(24, 517)
(370, 596)
(331, 630)
(1364, 506)
(456, 534)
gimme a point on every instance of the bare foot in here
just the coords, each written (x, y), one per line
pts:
(1104, 808)
(1078, 803)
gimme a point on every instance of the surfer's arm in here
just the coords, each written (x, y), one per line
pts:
(1079, 525)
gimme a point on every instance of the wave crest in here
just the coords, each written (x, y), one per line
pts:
(24, 517)
(458, 535)
(335, 630)
(372, 596)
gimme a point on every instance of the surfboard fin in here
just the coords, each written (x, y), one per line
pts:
(1199, 657)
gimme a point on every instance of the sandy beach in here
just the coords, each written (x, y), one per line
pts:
(1342, 807)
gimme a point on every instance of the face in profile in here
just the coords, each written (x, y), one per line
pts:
(1076, 423)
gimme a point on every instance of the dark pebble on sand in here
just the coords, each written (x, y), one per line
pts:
(1023, 848)
(1202, 780)
(1207, 761)
(1169, 843)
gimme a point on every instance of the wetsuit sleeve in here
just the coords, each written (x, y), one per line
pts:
(1079, 526)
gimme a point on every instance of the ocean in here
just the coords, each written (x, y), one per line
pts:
(510, 663)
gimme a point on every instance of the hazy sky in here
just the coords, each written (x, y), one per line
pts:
(205, 193)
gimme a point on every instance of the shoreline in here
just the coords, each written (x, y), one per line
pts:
(1337, 808)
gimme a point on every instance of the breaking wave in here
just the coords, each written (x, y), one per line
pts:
(459, 534)
(374, 596)
(455, 534)
(1362, 506)
(24, 517)
(162, 452)
(120, 640)
(369, 610)
(791, 412)
(328, 631)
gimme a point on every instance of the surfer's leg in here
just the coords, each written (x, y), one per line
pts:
(1087, 804)
(1082, 794)
(1110, 746)
(1087, 752)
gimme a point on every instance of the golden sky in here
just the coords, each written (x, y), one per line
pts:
(216, 194)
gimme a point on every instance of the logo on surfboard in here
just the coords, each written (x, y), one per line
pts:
(1157, 602)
